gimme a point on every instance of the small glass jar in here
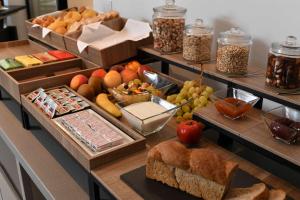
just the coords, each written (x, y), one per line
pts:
(168, 27)
(233, 52)
(283, 70)
(197, 42)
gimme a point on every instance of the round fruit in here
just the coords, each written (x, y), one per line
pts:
(112, 79)
(117, 68)
(77, 81)
(143, 68)
(100, 73)
(189, 132)
(95, 82)
(128, 75)
(133, 65)
(86, 91)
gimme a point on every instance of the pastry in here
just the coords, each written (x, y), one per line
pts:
(28, 60)
(256, 192)
(10, 63)
(61, 55)
(45, 57)
(200, 172)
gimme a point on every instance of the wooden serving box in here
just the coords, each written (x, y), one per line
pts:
(111, 55)
(24, 80)
(54, 39)
(88, 161)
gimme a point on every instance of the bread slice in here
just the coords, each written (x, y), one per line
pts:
(256, 192)
(200, 172)
(277, 195)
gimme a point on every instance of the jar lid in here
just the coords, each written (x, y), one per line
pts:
(198, 28)
(235, 36)
(170, 9)
(289, 47)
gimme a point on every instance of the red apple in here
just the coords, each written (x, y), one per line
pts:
(189, 132)
(143, 68)
(118, 68)
(100, 73)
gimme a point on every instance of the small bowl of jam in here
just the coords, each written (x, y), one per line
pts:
(234, 103)
(284, 124)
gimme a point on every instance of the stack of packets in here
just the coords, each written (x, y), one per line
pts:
(34, 59)
(91, 129)
(57, 102)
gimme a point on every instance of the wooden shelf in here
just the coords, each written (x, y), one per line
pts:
(46, 172)
(254, 84)
(109, 174)
(252, 129)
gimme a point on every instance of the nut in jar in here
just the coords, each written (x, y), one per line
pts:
(283, 70)
(197, 41)
(168, 27)
(233, 52)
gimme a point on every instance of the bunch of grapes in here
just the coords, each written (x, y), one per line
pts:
(200, 98)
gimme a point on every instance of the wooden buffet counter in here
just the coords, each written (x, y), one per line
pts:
(109, 174)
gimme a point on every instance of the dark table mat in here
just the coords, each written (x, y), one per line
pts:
(154, 190)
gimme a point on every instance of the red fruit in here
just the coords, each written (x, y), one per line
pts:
(143, 68)
(133, 65)
(118, 68)
(128, 75)
(77, 81)
(100, 73)
(189, 132)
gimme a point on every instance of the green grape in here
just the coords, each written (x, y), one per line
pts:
(192, 90)
(203, 100)
(197, 108)
(197, 102)
(195, 96)
(205, 93)
(198, 90)
(179, 112)
(209, 90)
(178, 99)
(183, 101)
(171, 98)
(179, 119)
(183, 93)
(187, 116)
(186, 108)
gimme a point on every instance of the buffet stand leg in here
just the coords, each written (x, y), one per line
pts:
(25, 118)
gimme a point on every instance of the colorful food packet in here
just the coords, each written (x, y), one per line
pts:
(61, 55)
(33, 95)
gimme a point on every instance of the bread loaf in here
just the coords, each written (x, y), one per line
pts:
(277, 195)
(256, 192)
(200, 172)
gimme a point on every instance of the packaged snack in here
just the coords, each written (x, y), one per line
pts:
(45, 57)
(28, 60)
(33, 95)
(61, 55)
(10, 63)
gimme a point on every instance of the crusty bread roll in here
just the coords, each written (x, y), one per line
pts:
(277, 195)
(256, 192)
(200, 172)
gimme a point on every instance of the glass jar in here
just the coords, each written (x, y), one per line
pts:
(283, 70)
(233, 51)
(168, 27)
(197, 42)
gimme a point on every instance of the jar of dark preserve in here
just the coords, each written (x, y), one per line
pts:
(283, 70)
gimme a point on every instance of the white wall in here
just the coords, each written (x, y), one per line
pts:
(265, 20)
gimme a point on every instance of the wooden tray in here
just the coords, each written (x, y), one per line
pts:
(24, 80)
(54, 39)
(154, 190)
(88, 161)
(109, 56)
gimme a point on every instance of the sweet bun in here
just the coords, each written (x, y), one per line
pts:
(61, 30)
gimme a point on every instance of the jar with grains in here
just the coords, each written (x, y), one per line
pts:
(233, 51)
(168, 26)
(197, 41)
(283, 70)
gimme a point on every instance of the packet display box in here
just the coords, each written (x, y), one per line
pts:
(76, 148)
(111, 55)
(24, 80)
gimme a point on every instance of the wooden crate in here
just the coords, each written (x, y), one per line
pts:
(109, 56)
(88, 161)
(53, 39)
(23, 80)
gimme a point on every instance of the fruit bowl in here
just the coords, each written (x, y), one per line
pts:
(153, 118)
(234, 103)
(284, 124)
